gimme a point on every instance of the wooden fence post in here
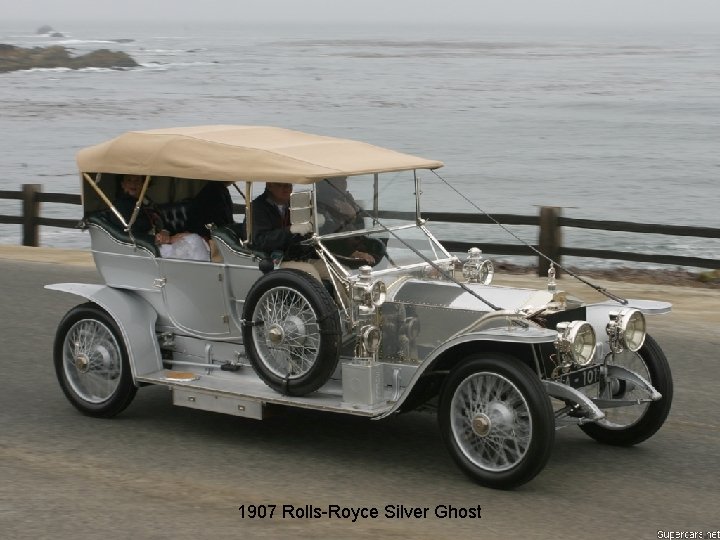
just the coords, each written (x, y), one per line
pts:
(550, 238)
(31, 212)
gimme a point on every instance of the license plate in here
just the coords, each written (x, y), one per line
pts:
(581, 377)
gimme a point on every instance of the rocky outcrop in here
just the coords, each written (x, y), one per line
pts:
(13, 58)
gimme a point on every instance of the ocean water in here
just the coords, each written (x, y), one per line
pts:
(607, 123)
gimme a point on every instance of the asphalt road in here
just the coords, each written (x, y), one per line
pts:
(159, 471)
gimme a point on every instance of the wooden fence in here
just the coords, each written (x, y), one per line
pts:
(550, 222)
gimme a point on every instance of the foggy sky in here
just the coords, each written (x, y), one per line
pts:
(621, 12)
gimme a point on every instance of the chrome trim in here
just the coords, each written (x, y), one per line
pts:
(138, 205)
(434, 240)
(360, 232)
(567, 334)
(565, 392)
(538, 369)
(376, 190)
(248, 212)
(617, 326)
(418, 192)
(396, 385)
(413, 266)
(620, 372)
(194, 364)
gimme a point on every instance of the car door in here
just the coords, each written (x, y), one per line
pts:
(194, 294)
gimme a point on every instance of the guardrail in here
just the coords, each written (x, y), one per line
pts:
(550, 222)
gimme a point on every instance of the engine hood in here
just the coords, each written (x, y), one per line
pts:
(450, 296)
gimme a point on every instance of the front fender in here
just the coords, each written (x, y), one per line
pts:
(135, 319)
(516, 334)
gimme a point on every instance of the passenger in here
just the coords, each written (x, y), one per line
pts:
(337, 205)
(342, 213)
(271, 229)
(182, 245)
(213, 205)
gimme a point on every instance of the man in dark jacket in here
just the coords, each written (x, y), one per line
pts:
(271, 229)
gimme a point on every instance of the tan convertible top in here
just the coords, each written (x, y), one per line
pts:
(244, 153)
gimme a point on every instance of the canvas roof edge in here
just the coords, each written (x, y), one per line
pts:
(243, 153)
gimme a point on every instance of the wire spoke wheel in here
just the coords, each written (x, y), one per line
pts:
(491, 421)
(292, 332)
(496, 420)
(288, 336)
(91, 362)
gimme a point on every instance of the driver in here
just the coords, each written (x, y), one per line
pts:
(271, 229)
(273, 234)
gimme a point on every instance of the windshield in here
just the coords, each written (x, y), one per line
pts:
(362, 221)
(386, 250)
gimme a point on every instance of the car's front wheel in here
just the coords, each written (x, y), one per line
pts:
(91, 362)
(496, 420)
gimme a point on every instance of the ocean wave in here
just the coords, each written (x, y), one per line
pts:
(45, 39)
(165, 51)
(67, 70)
(412, 44)
(369, 49)
(157, 66)
(88, 41)
(153, 66)
(44, 70)
(100, 69)
(56, 175)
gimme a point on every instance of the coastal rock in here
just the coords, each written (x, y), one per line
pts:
(45, 29)
(14, 58)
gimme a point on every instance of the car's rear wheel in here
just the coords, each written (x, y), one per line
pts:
(292, 331)
(496, 420)
(632, 424)
(91, 362)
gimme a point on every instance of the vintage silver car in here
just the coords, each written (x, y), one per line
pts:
(418, 329)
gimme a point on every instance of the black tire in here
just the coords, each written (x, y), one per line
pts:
(636, 425)
(292, 333)
(510, 410)
(91, 362)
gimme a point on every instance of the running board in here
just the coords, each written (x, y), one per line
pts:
(244, 394)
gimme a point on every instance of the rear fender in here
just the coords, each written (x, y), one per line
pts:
(133, 315)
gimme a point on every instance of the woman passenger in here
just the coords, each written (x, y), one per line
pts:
(182, 245)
